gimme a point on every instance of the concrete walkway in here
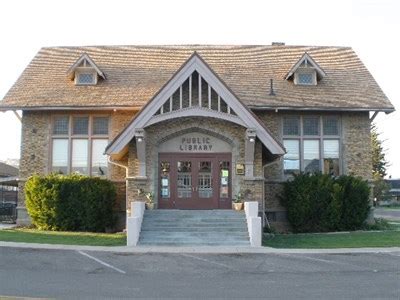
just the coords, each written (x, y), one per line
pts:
(218, 250)
(7, 226)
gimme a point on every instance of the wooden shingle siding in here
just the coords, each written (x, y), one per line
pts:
(134, 74)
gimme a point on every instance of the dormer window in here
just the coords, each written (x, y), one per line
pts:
(306, 76)
(306, 71)
(86, 78)
(85, 72)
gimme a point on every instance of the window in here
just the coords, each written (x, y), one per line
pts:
(305, 76)
(60, 125)
(310, 125)
(80, 125)
(331, 157)
(291, 160)
(312, 144)
(99, 160)
(78, 145)
(86, 79)
(330, 125)
(60, 156)
(291, 126)
(311, 156)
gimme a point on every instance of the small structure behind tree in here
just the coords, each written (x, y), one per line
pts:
(8, 192)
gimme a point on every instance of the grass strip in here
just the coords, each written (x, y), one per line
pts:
(357, 239)
(25, 235)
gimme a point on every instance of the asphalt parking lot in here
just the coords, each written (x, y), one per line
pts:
(387, 213)
(71, 274)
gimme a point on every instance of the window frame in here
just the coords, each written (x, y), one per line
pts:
(308, 71)
(85, 70)
(320, 137)
(70, 137)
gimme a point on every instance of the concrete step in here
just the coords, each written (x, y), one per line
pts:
(192, 234)
(214, 223)
(198, 244)
(194, 228)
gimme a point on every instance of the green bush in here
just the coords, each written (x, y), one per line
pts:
(320, 203)
(354, 198)
(71, 203)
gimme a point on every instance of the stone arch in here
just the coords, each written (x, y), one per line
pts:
(197, 130)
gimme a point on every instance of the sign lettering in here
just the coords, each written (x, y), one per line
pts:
(195, 144)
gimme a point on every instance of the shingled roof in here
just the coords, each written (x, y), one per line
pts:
(135, 74)
(7, 170)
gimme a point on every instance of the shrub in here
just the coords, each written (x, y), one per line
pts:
(320, 203)
(73, 202)
(354, 199)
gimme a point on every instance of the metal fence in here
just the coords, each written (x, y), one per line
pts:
(8, 212)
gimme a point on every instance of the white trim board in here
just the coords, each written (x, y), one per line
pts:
(321, 74)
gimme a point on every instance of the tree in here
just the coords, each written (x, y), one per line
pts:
(379, 165)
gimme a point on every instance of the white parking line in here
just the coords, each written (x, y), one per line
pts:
(101, 262)
(320, 259)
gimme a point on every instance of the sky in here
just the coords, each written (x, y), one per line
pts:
(371, 27)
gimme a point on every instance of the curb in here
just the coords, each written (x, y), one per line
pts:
(198, 249)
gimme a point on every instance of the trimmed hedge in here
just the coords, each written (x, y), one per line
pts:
(321, 203)
(70, 203)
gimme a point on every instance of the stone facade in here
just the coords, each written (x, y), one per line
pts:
(356, 145)
(268, 170)
(231, 133)
(35, 155)
(355, 154)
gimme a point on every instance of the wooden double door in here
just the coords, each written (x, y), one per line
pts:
(194, 181)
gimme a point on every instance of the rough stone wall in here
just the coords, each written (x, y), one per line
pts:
(34, 148)
(273, 121)
(221, 129)
(156, 133)
(35, 154)
(34, 144)
(119, 120)
(356, 144)
(355, 155)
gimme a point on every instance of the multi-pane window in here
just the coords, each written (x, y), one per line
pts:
(306, 78)
(78, 144)
(86, 78)
(312, 144)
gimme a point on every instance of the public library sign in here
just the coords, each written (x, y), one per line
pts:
(195, 142)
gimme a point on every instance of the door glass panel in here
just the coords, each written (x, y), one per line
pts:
(224, 174)
(165, 179)
(205, 179)
(184, 179)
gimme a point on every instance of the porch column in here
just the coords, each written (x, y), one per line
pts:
(141, 151)
(250, 141)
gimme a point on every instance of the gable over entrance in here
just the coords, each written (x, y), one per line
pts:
(212, 98)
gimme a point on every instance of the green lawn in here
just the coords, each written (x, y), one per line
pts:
(390, 207)
(60, 237)
(337, 240)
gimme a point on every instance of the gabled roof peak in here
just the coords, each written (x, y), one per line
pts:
(308, 60)
(205, 105)
(86, 60)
